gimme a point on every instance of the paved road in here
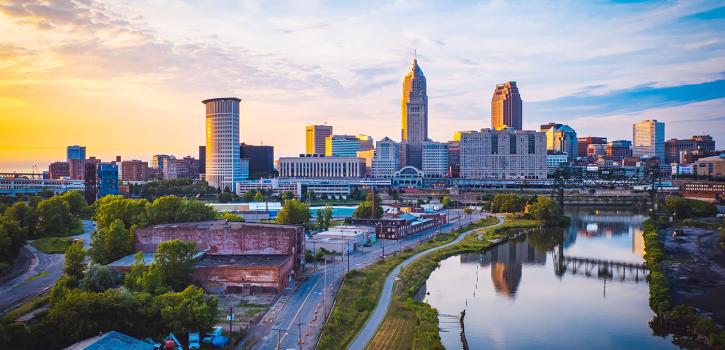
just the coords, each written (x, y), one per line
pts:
(42, 273)
(367, 333)
(307, 297)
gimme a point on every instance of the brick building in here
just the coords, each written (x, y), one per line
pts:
(134, 170)
(57, 170)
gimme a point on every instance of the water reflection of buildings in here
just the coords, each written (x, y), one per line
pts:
(603, 225)
(506, 261)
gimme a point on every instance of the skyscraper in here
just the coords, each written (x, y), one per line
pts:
(386, 160)
(414, 110)
(562, 138)
(648, 139)
(315, 138)
(75, 152)
(506, 107)
(223, 164)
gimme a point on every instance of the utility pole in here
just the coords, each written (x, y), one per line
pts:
(348, 256)
(299, 330)
(324, 292)
(279, 336)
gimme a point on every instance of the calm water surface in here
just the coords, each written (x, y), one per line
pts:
(525, 294)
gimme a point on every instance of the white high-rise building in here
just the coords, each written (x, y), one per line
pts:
(648, 139)
(435, 159)
(503, 154)
(386, 160)
(223, 164)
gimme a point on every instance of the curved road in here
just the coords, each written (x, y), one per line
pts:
(41, 275)
(366, 334)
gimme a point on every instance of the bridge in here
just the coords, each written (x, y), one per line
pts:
(599, 268)
(36, 175)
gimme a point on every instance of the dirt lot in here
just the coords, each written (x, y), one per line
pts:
(695, 267)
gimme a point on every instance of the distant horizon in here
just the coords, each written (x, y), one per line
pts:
(128, 78)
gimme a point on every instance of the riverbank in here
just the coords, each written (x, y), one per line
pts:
(361, 290)
(412, 324)
(686, 284)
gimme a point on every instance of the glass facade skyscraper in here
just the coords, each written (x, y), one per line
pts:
(648, 139)
(75, 152)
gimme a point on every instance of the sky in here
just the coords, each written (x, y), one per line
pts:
(127, 77)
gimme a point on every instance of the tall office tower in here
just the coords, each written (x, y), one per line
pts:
(619, 149)
(347, 145)
(168, 170)
(561, 138)
(506, 107)
(675, 147)
(414, 121)
(107, 179)
(315, 136)
(75, 152)
(435, 159)
(223, 164)
(648, 139)
(157, 162)
(90, 181)
(387, 158)
(454, 157)
(503, 154)
(261, 159)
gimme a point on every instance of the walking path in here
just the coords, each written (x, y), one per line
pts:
(366, 334)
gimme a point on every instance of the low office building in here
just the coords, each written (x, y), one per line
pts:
(503, 154)
(313, 166)
(403, 225)
(134, 170)
(58, 170)
(435, 159)
(387, 158)
(555, 161)
(704, 190)
(711, 166)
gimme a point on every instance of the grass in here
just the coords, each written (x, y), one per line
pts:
(27, 307)
(404, 309)
(52, 245)
(362, 288)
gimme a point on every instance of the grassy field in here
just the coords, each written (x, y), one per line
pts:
(52, 245)
(406, 312)
(361, 291)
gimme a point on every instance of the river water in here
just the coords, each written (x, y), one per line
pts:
(525, 294)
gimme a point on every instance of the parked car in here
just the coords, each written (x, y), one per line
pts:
(194, 340)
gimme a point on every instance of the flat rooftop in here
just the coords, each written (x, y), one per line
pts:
(242, 260)
(216, 224)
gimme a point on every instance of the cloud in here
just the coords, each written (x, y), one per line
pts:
(635, 99)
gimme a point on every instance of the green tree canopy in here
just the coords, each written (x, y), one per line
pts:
(364, 210)
(169, 209)
(77, 203)
(174, 260)
(187, 310)
(112, 243)
(75, 261)
(12, 239)
(545, 210)
(56, 219)
(294, 212)
(97, 278)
(25, 216)
(446, 202)
(259, 197)
(249, 196)
(507, 203)
(231, 217)
(130, 211)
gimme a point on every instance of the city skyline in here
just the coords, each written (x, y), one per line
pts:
(85, 75)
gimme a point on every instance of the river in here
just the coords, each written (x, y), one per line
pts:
(524, 294)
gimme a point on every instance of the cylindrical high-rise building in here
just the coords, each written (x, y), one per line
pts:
(223, 165)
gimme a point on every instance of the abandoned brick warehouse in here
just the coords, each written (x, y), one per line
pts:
(233, 257)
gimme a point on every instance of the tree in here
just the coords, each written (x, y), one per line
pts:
(327, 216)
(320, 219)
(77, 203)
(97, 279)
(55, 218)
(25, 216)
(187, 310)
(224, 197)
(364, 210)
(75, 261)
(259, 197)
(249, 195)
(169, 209)
(507, 203)
(112, 243)
(545, 210)
(134, 279)
(294, 212)
(446, 202)
(130, 211)
(12, 239)
(174, 260)
(231, 217)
